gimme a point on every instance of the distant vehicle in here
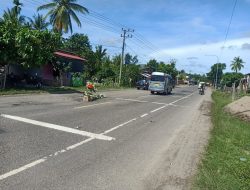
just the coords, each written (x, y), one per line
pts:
(161, 83)
(200, 84)
(142, 84)
(192, 82)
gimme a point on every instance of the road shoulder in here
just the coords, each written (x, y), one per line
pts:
(179, 163)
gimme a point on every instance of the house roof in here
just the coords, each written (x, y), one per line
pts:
(68, 55)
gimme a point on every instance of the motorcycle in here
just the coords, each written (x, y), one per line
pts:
(201, 91)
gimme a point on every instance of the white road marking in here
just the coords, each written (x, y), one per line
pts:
(58, 127)
(118, 126)
(16, 171)
(157, 109)
(91, 105)
(144, 115)
(179, 106)
(159, 103)
(79, 144)
(141, 101)
(132, 100)
(176, 96)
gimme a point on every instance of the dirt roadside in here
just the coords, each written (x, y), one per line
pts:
(177, 169)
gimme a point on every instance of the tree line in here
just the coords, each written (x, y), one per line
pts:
(31, 42)
(227, 78)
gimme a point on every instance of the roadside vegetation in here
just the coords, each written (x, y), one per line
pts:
(31, 43)
(226, 163)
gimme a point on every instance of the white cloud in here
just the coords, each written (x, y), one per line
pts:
(199, 51)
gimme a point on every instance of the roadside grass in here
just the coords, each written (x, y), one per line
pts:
(226, 163)
(53, 90)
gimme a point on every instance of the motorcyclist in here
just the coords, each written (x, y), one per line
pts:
(201, 87)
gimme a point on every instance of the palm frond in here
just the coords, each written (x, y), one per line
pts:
(79, 8)
(47, 6)
(76, 19)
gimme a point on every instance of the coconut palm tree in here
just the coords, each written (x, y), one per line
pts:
(61, 12)
(17, 8)
(11, 16)
(100, 52)
(38, 22)
(237, 64)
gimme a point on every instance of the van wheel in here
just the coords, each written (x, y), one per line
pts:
(152, 92)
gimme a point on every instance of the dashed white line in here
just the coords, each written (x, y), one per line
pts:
(92, 105)
(144, 115)
(157, 109)
(16, 171)
(118, 126)
(132, 100)
(32, 164)
(58, 127)
(141, 101)
(79, 144)
(159, 103)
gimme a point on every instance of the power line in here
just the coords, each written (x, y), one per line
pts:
(113, 25)
(99, 21)
(229, 25)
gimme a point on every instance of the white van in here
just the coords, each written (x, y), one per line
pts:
(160, 83)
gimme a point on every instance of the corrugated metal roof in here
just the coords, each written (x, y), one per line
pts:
(67, 55)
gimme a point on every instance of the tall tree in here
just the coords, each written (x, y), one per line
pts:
(38, 22)
(129, 59)
(237, 64)
(12, 17)
(213, 72)
(78, 43)
(17, 8)
(100, 53)
(152, 66)
(61, 13)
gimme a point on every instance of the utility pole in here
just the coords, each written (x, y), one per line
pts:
(124, 36)
(216, 77)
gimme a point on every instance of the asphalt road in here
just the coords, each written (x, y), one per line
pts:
(56, 141)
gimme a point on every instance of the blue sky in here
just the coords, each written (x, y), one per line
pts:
(186, 30)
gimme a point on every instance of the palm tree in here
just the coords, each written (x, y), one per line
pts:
(237, 64)
(38, 22)
(17, 8)
(61, 12)
(11, 16)
(100, 52)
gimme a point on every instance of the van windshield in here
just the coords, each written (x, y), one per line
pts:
(157, 78)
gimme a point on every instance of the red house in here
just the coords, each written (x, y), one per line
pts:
(49, 73)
